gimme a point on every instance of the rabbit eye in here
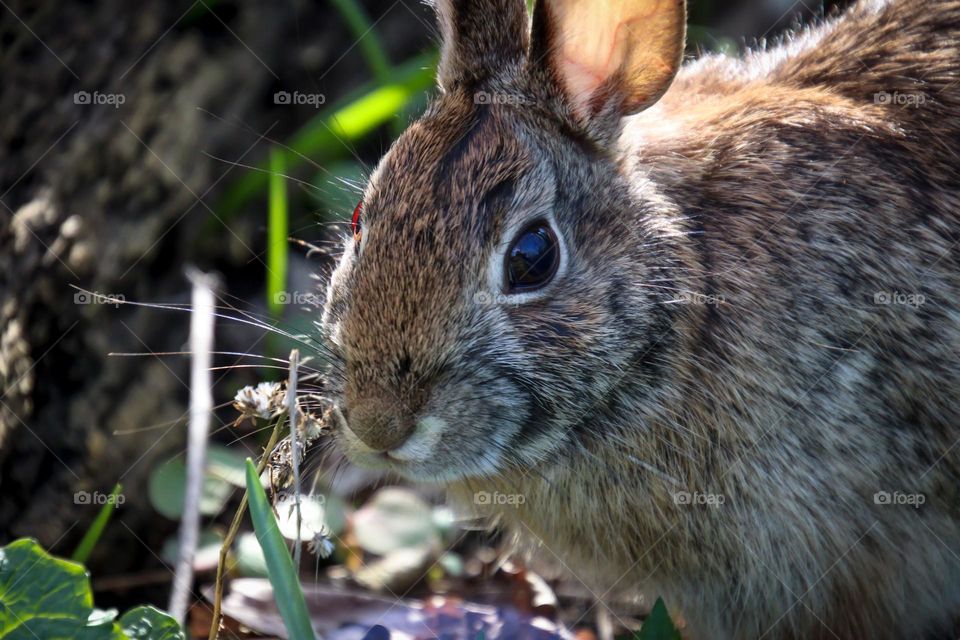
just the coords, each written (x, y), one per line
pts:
(356, 224)
(533, 258)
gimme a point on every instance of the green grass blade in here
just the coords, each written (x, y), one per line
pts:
(90, 538)
(370, 45)
(325, 137)
(280, 570)
(277, 229)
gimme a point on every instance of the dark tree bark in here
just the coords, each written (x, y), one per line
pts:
(116, 199)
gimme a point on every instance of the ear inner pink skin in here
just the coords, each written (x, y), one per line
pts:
(602, 71)
(636, 55)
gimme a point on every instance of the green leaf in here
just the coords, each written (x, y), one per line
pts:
(283, 576)
(395, 518)
(93, 534)
(42, 596)
(328, 135)
(49, 598)
(363, 32)
(371, 46)
(658, 625)
(249, 557)
(167, 483)
(149, 623)
(226, 464)
(101, 616)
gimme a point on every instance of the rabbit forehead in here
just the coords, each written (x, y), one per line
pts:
(446, 163)
(433, 211)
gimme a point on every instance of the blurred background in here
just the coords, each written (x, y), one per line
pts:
(140, 138)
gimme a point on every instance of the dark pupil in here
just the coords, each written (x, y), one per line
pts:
(533, 258)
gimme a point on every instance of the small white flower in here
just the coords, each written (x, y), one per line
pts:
(266, 400)
(320, 545)
(309, 426)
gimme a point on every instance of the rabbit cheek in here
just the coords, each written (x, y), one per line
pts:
(467, 431)
(337, 297)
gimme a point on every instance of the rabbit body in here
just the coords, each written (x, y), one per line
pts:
(742, 390)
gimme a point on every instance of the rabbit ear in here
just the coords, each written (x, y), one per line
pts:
(480, 37)
(618, 55)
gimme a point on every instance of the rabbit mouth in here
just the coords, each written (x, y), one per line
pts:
(428, 471)
(427, 456)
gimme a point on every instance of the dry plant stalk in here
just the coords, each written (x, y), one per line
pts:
(294, 444)
(201, 408)
(232, 534)
(238, 516)
(281, 457)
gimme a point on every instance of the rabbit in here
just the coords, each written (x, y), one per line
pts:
(688, 329)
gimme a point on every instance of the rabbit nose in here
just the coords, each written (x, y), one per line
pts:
(381, 425)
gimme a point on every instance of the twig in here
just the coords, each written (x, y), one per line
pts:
(292, 413)
(294, 447)
(201, 407)
(234, 528)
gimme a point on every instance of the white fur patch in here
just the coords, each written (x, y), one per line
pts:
(419, 446)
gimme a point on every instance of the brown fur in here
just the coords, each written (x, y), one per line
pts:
(716, 329)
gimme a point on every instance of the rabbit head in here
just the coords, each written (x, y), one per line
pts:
(491, 296)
